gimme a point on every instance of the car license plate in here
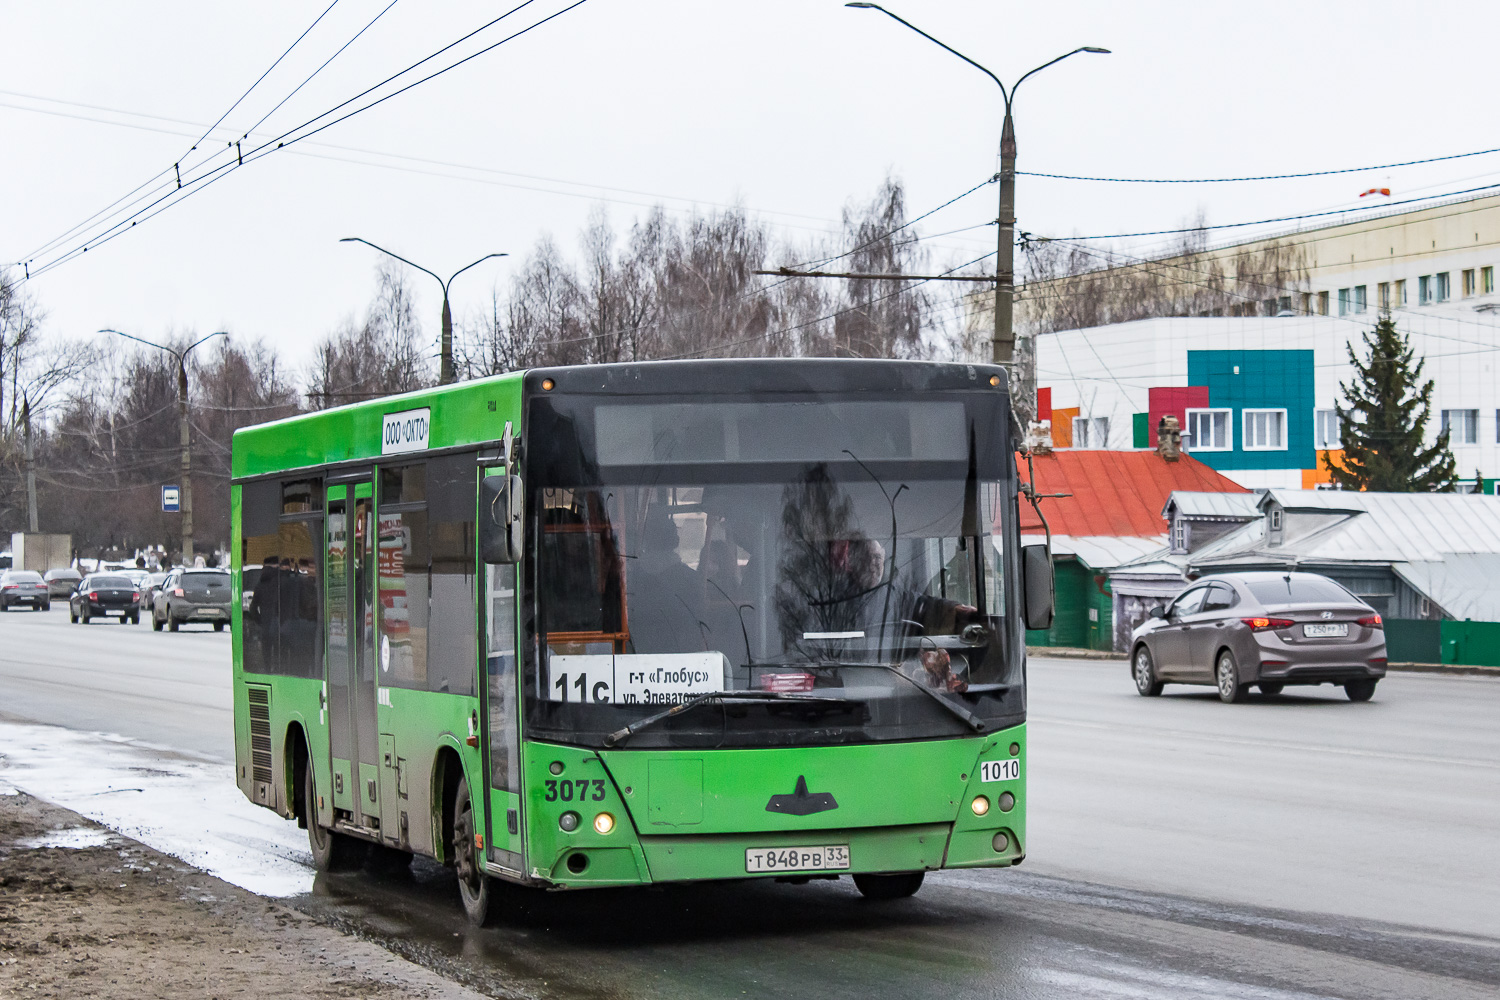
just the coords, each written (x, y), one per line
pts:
(1340, 631)
(834, 857)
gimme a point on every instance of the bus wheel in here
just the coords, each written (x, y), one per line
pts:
(882, 887)
(331, 851)
(473, 883)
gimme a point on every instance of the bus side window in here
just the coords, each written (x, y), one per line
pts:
(260, 555)
(404, 560)
(452, 643)
(500, 613)
(300, 595)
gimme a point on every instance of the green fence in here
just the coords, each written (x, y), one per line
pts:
(1409, 640)
(1084, 615)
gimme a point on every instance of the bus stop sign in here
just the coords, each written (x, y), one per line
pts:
(171, 499)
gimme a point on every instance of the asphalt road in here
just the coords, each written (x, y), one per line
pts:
(1296, 847)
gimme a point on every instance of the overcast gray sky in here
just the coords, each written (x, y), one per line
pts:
(791, 107)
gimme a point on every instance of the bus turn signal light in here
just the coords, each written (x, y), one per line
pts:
(604, 823)
(1264, 624)
(1372, 621)
(980, 805)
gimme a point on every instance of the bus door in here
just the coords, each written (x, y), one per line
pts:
(502, 694)
(352, 737)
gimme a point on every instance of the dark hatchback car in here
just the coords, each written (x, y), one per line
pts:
(25, 589)
(1266, 629)
(105, 595)
(192, 595)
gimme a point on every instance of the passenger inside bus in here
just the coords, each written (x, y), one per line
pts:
(664, 596)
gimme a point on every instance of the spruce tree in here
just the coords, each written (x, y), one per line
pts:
(1385, 423)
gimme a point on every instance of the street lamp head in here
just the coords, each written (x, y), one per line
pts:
(864, 6)
(1096, 50)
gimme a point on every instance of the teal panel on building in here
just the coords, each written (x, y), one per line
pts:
(1259, 380)
(1140, 430)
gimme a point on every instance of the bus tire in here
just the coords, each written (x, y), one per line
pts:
(474, 886)
(332, 851)
(885, 887)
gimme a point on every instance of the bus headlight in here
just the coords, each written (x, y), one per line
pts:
(604, 823)
(568, 821)
(980, 805)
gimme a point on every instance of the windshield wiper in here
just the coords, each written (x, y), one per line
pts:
(621, 735)
(973, 721)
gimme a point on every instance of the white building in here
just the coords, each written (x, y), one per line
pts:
(1255, 394)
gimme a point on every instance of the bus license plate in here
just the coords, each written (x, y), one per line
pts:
(833, 857)
(1340, 630)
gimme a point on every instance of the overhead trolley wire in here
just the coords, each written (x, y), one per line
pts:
(216, 172)
(175, 168)
(320, 69)
(290, 137)
(207, 132)
(1264, 177)
(909, 222)
(1288, 218)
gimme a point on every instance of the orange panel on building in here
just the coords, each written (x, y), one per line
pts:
(1062, 427)
(1327, 461)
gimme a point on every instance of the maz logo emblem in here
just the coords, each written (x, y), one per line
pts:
(801, 802)
(1328, 614)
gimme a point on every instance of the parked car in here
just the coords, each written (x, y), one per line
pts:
(103, 595)
(62, 582)
(24, 588)
(151, 585)
(1268, 629)
(192, 595)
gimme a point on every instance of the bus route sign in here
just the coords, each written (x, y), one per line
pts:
(171, 499)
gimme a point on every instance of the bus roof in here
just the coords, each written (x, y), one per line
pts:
(475, 412)
(459, 414)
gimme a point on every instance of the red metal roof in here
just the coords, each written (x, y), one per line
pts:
(1114, 492)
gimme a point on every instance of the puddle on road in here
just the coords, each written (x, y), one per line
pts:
(185, 806)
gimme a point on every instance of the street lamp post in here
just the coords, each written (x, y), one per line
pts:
(182, 433)
(445, 366)
(1003, 344)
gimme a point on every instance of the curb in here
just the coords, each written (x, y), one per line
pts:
(1445, 668)
(1074, 653)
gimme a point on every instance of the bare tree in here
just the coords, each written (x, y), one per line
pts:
(383, 355)
(1074, 286)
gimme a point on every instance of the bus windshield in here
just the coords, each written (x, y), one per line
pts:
(837, 567)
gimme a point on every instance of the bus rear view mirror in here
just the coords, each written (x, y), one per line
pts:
(501, 510)
(1036, 577)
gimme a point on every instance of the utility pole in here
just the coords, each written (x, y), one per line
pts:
(1005, 346)
(30, 456)
(183, 434)
(446, 374)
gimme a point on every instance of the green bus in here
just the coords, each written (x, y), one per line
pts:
(643, 623)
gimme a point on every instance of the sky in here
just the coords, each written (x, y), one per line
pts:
(791, 108)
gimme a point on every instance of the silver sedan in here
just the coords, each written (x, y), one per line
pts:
(1267, 629)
